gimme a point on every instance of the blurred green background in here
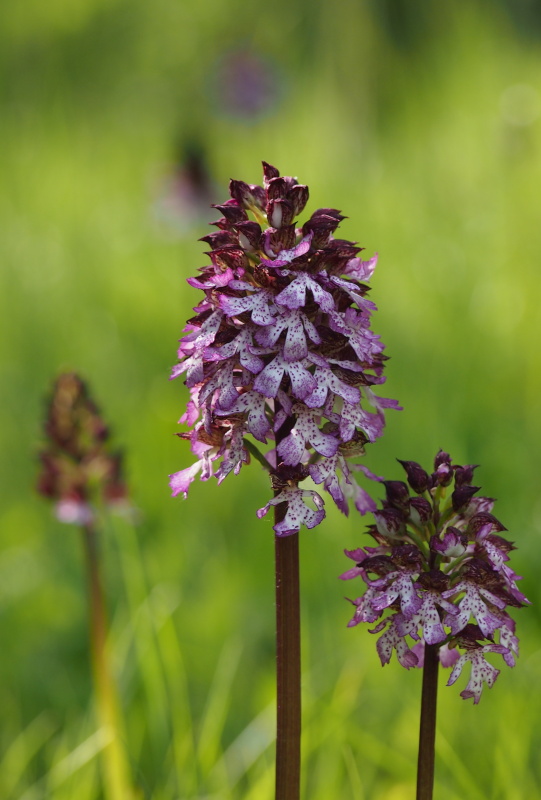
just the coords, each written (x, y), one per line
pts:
(421, 121)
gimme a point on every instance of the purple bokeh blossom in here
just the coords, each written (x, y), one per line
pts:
(280, 349)
(246, 85)
(439, 571)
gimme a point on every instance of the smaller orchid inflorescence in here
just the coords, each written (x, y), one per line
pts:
(79, 470)
(439, 561)
(281, 349)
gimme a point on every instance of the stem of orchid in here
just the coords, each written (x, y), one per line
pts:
(427, 733)
(288, 666)
(416, 538)
(288, 655)
(250, 446)
(116, 781)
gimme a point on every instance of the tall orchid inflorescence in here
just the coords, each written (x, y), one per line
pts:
(281, 349)
(439, 562)
(81, 473)
(79, 470)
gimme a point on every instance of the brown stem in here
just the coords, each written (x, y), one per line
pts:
(288, 653)
(288, 667)
(427, 732)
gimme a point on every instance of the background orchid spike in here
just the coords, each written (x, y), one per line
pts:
(78, 466)
(281, 349)
(440, 570)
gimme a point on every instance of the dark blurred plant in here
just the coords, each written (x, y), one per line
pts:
(439, 561)
(281, 349)
(80, 473)
(185, 194)
(184, 198)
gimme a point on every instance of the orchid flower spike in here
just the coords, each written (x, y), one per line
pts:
(281, 351)
(439, 575)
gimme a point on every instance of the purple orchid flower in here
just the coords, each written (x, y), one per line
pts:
(280, 349)
(440, 575)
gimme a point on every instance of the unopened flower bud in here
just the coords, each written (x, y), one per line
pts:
(462, 496)
(397, 494)
(417, 477)
(248, 196)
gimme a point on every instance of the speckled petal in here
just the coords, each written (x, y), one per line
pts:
(294, 295)
(403, 588)
(295, 347)
(481, 672)
(260, 304)
(255, 405)
(391, 640)
(268, 381)
(305, 432)
(285, 257)
(433, 630)
(326, 380)
(472, 604)
(364, 612)
(361, 270)
(381, 403)
(235, 455)
(193, 366)
(353, 290)
(302, 381)
(242, 345)
(180, 481)
(201, 337)
(361, 499)
(298, 513)
(355, 417)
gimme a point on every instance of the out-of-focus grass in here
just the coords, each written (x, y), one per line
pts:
(420, 134)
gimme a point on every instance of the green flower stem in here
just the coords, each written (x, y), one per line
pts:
(288, 666)
(453, 565)
(446, 518)
(257, 454)
(417, 539)
(116, 780)
(427, 733)
(259, 217)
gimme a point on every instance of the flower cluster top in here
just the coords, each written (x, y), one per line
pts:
(78, 467)
(439, 562)
(281, 349)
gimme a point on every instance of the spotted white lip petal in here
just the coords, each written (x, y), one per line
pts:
(254, 404)
(260, 304)
(306, 432)
(295, 294)
(298, 512)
